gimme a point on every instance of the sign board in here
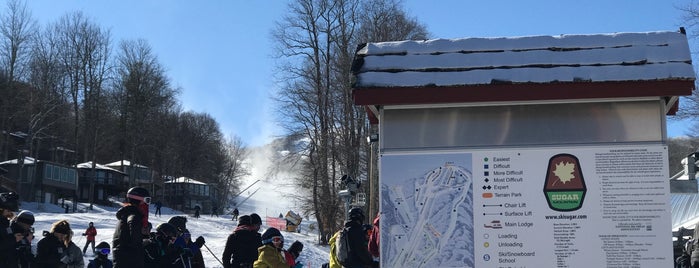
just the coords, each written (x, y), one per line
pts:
(586, 206)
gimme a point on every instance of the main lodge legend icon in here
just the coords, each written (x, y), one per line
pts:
(565, 186)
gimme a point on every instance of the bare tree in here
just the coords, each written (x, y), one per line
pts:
(689, 106)
(17, 28)
(233, 167)
(315, 101)
(143, 94)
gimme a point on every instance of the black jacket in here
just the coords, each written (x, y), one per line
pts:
(159, 253)
(7, 244)
(241, 247)
(49, 252)
(127, 240)
(358, 254)
(23, 256)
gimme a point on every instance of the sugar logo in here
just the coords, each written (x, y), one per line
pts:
(564, 185)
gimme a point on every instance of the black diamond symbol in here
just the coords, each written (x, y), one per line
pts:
(487, 180)
(484, 187)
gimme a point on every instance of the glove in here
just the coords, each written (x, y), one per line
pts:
(200, 241)
(83, 234)
(298, 265)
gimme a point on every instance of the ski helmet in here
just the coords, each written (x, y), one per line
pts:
(138, 193)
(166, 229)
(9, 200)
(356, 214)
(26, 217)
(180, 222)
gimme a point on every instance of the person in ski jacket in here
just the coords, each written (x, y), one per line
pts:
(334, 262)
(291, 254)
(50, 249)
(269, 254)
(21, 226)
(161, 251)
(8, 206)
(72, 256)
(374, 239)
(197, 259)
(101, 259)
(235, 214)
(358, 254)
(128, 235)
(90, 234)
(242, 244)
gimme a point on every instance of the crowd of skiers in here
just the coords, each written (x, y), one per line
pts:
(136, 245)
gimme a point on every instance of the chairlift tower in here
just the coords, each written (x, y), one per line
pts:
(350, 195)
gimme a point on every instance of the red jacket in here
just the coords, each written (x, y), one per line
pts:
(374, 238)
(91, 232)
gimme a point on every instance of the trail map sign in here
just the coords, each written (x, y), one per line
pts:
(583, 206)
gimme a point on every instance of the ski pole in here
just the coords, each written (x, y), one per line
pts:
(212, 254)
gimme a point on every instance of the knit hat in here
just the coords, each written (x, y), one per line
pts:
(26, 217)
(269, 234)
(61, 227)
(256, 219)
(244, 220)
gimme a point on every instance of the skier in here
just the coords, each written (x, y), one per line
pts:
(161, 251)
(8, 205)
(358, 250)
(235, 214)
(23, 231)
(102, 259)
(291, 254)
(128, 234)
(242, 244)
(49, 250)
(269, 254)
(72, 256)
(90, 232)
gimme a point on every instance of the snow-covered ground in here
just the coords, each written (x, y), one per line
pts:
(264, 199)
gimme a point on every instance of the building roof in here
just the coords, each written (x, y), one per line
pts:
(88, 165)
(125, 163)
(27, 161)
(185, 180)
(523, 68)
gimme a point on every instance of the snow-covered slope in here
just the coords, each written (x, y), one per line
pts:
(268, 200)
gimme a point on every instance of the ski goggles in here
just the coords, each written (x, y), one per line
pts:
(104, 251)
(144, 199)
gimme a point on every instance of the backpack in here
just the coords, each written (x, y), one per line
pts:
(342, 247)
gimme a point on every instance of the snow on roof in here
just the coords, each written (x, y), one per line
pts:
(88, 165)
(125, 163)
(533, 59)
(27, 161)
(185, 180)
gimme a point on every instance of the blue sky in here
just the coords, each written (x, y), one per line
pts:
(219, 52)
